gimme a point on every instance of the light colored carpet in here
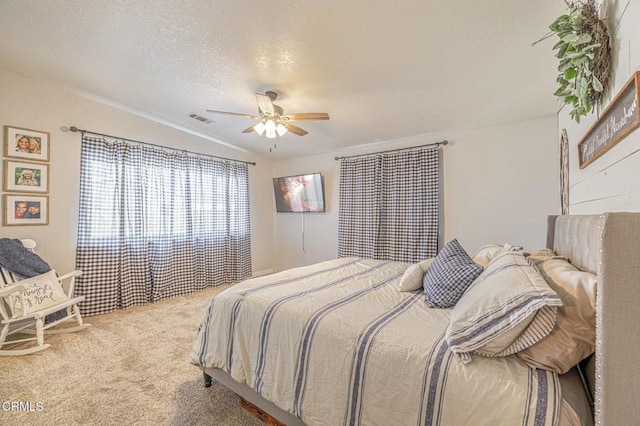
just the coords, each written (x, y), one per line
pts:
(130, 367)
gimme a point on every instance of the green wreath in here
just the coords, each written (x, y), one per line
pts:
(585, 57)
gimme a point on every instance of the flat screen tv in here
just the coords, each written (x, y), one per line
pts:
(298, 194)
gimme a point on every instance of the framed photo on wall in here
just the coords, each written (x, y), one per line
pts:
(26, 143)
(23, 176)
(21, 210)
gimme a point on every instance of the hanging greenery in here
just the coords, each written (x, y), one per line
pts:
(585, 57)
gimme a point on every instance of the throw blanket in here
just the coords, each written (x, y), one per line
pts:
(19, 260)
(22, 262)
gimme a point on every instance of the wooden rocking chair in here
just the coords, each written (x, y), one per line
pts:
(25, 302)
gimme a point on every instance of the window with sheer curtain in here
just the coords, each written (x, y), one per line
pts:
(389, 205)
(155, 224)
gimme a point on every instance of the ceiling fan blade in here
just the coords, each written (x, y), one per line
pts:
(249, 130)
(235, 114)
(295, 129)
(265, 104)
(306, 116)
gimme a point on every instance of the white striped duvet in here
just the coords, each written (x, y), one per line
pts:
(336, 343)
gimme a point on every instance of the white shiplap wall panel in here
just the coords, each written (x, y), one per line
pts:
(614, 203)
(611, 182)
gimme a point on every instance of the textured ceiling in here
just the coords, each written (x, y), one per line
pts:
(383, 70)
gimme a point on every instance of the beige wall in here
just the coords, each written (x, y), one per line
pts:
(500, 183)
(29, 104)
(611, 182)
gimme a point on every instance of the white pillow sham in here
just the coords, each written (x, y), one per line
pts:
(488, 252)
(574, 336)
(507, 308)
(412, 278)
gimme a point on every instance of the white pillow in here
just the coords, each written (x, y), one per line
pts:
(486, 253)
(412, 278)
(574, 336)
(508, 307)
(41, 292)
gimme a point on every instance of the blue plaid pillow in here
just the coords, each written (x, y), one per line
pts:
(449, 276)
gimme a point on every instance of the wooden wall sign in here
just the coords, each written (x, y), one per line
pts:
(619, 119)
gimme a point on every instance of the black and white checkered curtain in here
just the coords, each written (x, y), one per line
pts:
(156, 224)
(389, 206)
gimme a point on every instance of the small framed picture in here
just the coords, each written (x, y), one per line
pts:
(26, 143)
(23, 176)
(26, 209)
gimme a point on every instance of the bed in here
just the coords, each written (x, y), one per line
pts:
(337, 343)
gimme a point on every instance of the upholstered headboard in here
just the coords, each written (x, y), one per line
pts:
(609, 245)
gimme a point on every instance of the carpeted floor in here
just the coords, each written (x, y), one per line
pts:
(131, 367)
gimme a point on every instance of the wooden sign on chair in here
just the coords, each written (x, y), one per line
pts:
(619, 119)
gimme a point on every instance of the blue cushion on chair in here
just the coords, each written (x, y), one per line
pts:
(449, 276)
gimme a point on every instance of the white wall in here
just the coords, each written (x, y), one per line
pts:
(29, 104)
(320, 229)
(500, 183)
(611, 182)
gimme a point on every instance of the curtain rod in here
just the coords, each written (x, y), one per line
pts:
(445, 142)
(74, 129)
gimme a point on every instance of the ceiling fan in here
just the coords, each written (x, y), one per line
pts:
(273, 122)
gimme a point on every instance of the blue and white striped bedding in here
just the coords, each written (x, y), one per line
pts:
(337, 343)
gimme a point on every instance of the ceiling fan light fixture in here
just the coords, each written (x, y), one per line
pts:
(281, 129)
(273, 123)
(270, 126)
(259, 128)
(270, 129)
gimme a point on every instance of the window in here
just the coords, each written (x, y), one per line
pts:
(156, 224)
(389, 205)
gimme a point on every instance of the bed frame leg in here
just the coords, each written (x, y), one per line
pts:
(207, 380)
